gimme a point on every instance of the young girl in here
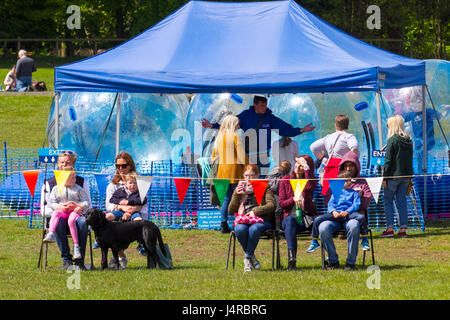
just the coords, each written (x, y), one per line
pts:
(69, 204)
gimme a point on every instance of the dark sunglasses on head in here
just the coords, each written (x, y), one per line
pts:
(123, 166)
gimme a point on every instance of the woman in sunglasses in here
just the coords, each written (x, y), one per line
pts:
(124, 166)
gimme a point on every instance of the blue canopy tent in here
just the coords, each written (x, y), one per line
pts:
(261, 47)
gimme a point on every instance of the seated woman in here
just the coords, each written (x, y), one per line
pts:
(244, 203)
(303, 169)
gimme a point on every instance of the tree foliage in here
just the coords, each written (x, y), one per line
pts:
(420, 26)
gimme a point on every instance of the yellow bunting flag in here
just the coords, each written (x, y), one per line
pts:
(61, 178)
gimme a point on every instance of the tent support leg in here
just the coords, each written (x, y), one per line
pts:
(56, 115)
(118, 126)
(380, 131)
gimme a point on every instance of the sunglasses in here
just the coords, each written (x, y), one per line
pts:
(122, 166)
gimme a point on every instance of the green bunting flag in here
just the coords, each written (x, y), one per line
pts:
(221, 188)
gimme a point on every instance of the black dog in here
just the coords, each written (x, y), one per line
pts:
(118, 236)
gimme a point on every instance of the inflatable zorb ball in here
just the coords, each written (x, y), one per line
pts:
(87, 124)
(298, 110)
(212, 107)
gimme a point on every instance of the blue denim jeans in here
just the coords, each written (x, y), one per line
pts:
(226, 202)
(396, 191)
(248, 236)
(328, 216)
(119, 213)
(61, 238)
(291, 227)
(326, 230)
(23, 83)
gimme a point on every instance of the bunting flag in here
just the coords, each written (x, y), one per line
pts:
(182, 185)
(336, 188)
(375, 186)
(221, 188)
(143, 183)
(102, 180)
(61, 178)
(259, 188)
(300, 186)
(31, 178)
(294, 184)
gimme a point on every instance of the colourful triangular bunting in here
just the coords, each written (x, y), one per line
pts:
(182, 185)
(102, 180)
(375, 186)
(221, 188)
(336, 188)
(144, 183)
(61, 178)
(259, 188)
(31, 178)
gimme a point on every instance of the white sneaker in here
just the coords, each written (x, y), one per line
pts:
(76, 252)
(123, 262)
(49, 238)
(247, 265)
(255, 263)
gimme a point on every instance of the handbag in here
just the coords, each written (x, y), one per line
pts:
(246, 219)
(308, 219)
(322, 173)
(165, 261)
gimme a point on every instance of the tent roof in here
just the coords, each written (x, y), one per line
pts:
(259, 47)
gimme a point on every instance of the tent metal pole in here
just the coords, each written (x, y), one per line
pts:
(118, 126)
(425, 151)
(56, 115)
(380, 131)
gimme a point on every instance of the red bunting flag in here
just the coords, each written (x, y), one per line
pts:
(31, 179)
(182, 185)
(259, 188)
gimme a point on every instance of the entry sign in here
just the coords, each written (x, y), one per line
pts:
(378, 157)
(49, 155)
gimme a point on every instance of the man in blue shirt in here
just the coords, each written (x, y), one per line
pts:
(261, 119)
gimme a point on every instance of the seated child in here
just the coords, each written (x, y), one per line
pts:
(127, 196)
(68, 204)
(345, 208)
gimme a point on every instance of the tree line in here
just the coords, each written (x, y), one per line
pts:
(418, 28)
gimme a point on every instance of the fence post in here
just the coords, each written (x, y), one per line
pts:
(57, 47)
(6, 159)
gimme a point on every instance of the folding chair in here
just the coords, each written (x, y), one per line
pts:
(343, 232)
(267, 234)
(44, 233)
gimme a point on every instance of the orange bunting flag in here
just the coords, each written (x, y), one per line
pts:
(182, 185)
(259, 188)
(31, 178)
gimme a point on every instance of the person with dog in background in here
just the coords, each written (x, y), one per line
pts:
(344, 208)
(66, 159)
(69, 204)
(24, 68)
(260, 217)
(124, 166)
(292, 200)
(229, 150)
(127, 196)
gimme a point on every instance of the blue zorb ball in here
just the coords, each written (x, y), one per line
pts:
(147, 124)
(298, 110)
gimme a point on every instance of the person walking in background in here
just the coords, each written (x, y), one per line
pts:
(24, 69)
(229, 150)
(285, 149)
(399, 162)
(332, 148)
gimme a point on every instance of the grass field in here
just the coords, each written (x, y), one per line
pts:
(417, 267)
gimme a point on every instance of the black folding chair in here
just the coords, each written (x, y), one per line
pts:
(43, 264)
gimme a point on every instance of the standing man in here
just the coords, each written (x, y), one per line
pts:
(24, 68)
(258, 142)
(66, 159)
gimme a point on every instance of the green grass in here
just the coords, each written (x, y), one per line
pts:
(417, 267)
(42, 74)
(23, 119)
